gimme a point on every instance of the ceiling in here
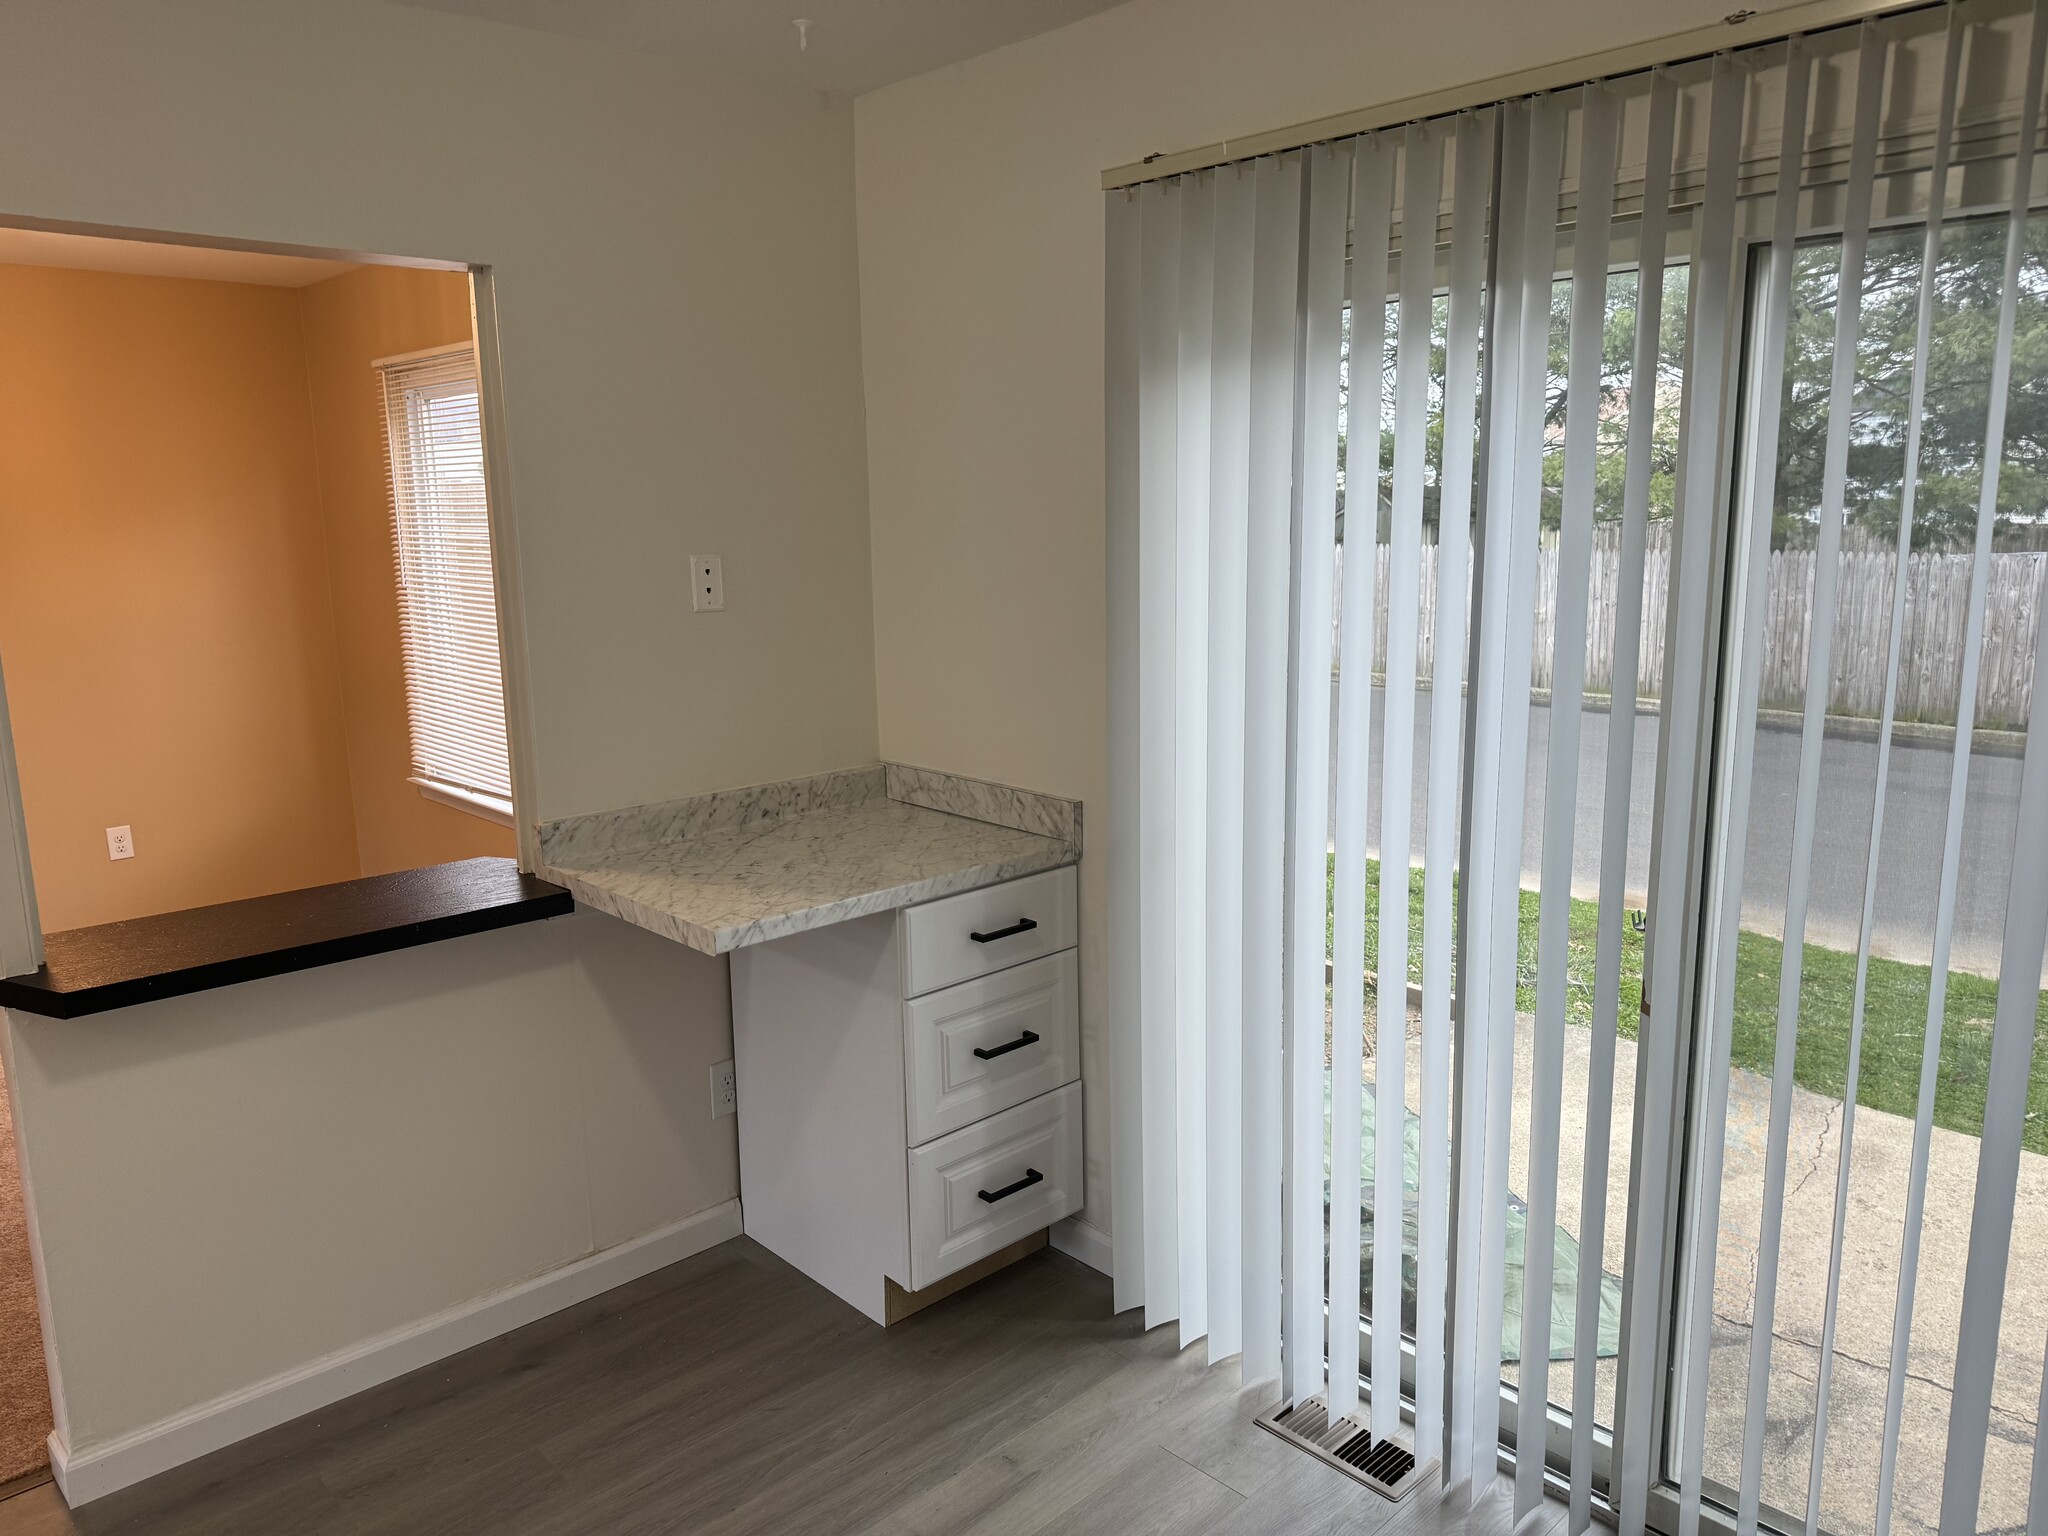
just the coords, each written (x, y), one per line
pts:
(96, 253)
(854, 45)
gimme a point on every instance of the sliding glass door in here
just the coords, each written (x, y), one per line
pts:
(1578, 586)
(1863, 684)
(1876, 675)
(1613, 768)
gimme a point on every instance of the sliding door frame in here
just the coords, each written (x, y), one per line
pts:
(1702, 782)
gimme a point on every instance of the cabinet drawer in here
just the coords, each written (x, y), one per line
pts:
(1026, 1022)
(1016, 921)
(1000, 1179)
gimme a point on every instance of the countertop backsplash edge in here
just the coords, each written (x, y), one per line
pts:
(1002, 805)
(576, 840)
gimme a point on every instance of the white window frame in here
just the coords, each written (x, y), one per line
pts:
(471, 798)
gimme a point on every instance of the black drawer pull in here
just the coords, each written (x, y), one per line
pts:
(1022, 925)
(1031, 1176)
(1018, 1044)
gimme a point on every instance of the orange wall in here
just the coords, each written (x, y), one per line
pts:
(198, 618)
(164, 621)
(350, 321)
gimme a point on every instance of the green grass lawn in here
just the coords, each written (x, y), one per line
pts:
(1895, 1014)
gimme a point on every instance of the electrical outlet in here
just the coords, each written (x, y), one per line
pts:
(120, 842)
(725, 1095)
(707, 584)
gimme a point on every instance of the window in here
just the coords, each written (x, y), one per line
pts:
(454, 686)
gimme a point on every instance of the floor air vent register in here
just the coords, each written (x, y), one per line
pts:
(1387, 1467)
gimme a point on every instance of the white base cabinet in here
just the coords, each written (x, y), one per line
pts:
(909, 1095)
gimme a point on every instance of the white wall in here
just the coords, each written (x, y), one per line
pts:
(229, 1186)
(981, 268)
(233, 1185)
(677, 300)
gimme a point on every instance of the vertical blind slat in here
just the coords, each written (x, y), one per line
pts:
(1123, 302)
(1583, 403)
(1158, 503)
(1923, 1125)
(1524, 483)
(1475, 1355)
(1688, 615)
(1308, 833)
(1422, 187)
(1806, 792)
(1998, 1153)
(2026, 913)
(1229, 490)
(1372, 189)
(1869, 91)
(1276, 281)
(1470, 174)
(1197, 298)
(1620, 771)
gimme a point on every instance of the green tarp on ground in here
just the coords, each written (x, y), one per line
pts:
(1564, 1286)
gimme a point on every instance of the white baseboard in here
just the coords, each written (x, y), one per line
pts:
(94, 1471)
(1078, 1238)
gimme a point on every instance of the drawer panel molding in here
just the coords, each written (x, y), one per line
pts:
(984, 1187)
(984, 1045)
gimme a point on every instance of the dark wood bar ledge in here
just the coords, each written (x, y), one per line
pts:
(117, 965)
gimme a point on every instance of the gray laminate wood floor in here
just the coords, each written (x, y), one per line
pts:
(727, 1394)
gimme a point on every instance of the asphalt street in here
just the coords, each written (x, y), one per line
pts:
(1915, 816)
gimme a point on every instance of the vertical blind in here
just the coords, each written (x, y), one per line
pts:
(1359, 380)
(447, 604)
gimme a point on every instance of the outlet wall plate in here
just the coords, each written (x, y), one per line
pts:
(707, 584)
(725, 1099)
(120, 842)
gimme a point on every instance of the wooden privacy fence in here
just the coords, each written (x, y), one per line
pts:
(1930, 668)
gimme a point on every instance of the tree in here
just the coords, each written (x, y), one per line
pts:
(1967, 282)
(1967, 286)
(1617, 365)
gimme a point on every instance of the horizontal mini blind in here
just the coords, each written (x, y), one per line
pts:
(447, 602)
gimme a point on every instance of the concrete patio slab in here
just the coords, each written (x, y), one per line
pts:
(1882, 1150)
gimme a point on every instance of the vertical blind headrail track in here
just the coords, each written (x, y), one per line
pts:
(1816, 21)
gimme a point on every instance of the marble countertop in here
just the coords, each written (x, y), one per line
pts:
(749, 872)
